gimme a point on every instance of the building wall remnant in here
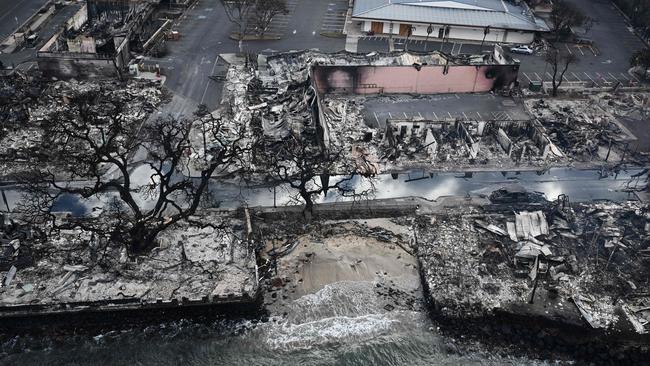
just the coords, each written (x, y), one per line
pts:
(424, 79)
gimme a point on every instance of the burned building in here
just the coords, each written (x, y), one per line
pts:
(98, 39)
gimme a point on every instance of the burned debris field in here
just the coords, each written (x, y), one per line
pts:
(188, 181)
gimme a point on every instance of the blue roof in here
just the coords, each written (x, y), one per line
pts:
(477, 13)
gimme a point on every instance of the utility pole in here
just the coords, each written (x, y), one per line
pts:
(485, 33)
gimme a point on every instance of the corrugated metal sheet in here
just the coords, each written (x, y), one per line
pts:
(499, 15)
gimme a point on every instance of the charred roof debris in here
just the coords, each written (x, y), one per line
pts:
(343, 102)
(208, 260)
(575, 265)
(35, 107)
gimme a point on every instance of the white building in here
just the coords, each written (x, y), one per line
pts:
(492, 21)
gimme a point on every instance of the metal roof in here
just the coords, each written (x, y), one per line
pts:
(478, 13)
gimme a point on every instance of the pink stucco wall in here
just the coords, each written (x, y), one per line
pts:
(408, 79)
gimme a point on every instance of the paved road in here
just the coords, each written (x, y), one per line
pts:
(205, 31)
(13, 13)
(48, 29)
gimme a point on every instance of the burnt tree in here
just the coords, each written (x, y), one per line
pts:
(265, 11)
(310, 171)
(239, 13)
(565, 15)
(559, 62)
(641, 59)
(93, 153)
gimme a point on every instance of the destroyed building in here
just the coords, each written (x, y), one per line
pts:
(97, 41)
(207, 262)
(581, 267)
(401, 111)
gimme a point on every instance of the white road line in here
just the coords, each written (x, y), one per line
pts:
(390, 115)
(549, 75)
(481, 117)
(420, 114)
(587, 75)
(459, 47)
(565, 79)
(580, 49)
(614, 77)
(624, 77)
(464, 115)
(214, 65)
(576, 76)
(456, 95)
(376, 118)
(567, 48)
(593, 50)
(527, 77)
(538, 78)
(435, 115)
(634, 77)
(450, 116)
(405, 116)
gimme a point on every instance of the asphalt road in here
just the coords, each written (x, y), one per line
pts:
(13, 13)
(205, 33)
(49, 28)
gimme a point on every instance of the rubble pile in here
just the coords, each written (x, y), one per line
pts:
(205, 261)
(586, 129)
(25, 143)
(452, 143)
(588, 262)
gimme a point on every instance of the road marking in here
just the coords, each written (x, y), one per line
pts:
(576, 76)
(580, 49)
(390, 115)
(420, 114)
(614, 77)
(508, 116)
(549, 75)
(634, 77)
(567, 48)
(464, 115)
(405, 116)
(624, 77)
(435, 115)
(376, 118)
(593, 50)
(450, 116)
(459, 47)
(456, 95)
(479, 115)
(587, 75)
(527, 77)
(208, 83)
(538, 78)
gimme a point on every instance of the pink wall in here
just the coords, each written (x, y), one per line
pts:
(408, 79)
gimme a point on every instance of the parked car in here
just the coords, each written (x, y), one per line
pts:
(523, 49)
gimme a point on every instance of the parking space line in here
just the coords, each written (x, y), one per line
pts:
(435, 115)
(390, 115)
(459, 47)
(580, 49)
(567, 48)
(587, 75)
(527, 76)
(376, 118)
(538, 78)
(464, 115)
(479, 115)
(420, 114)
(593, 50)
(634, 77)
(614, 77)
(508, 117)
(576, 76)
(624, 77)
(549, 75)
(405, 116)
(450, 116)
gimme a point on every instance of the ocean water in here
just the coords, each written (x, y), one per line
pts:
(342, 324)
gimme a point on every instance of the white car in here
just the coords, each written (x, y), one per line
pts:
(523, 49)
